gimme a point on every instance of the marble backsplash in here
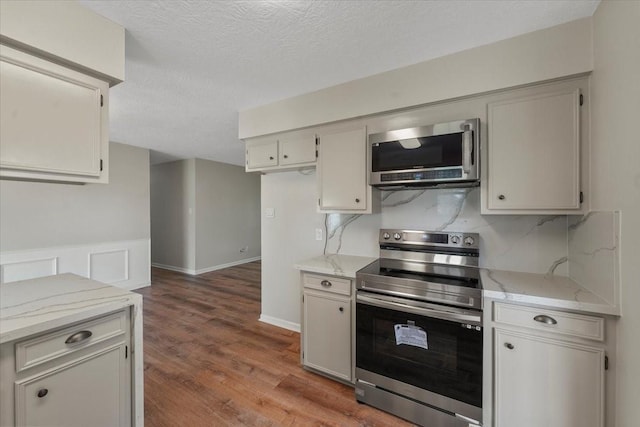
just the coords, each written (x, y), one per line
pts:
(526, 243)
(594, 242)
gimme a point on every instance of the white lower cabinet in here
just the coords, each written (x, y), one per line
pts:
(326, 327)
(90, 392)
(546, 378)
(80, 375)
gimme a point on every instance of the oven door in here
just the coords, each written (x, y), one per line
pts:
(427, 352)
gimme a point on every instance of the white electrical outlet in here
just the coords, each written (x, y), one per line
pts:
(318, 233)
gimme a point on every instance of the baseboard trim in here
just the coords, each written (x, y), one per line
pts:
(174, 268)
(194, 272)
(227, 265)
(134, 287)
(295, 327)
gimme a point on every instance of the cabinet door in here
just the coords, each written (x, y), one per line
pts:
(534, 152)
(327, 334)
(342, 171)
(545, 382)
(295, 151)
(262, 154)
(94, 391)
(52, 119)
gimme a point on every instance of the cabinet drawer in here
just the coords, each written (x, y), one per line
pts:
(577, 325)
(327, 283)
(41, 349)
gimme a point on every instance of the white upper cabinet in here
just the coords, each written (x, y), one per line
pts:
(342, 173)
(534, 153)
(295, 151)
(281, 152)
(58, 60)
(262, 154)
(53, 121)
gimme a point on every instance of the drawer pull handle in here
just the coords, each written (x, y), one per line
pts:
(543, 318)
(341, 309)
(78, 336)
(509, 345)
(326, 283)
(42, 392)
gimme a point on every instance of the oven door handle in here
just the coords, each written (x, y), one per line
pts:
(420, 309)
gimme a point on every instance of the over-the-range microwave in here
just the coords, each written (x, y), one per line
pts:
(439, 155)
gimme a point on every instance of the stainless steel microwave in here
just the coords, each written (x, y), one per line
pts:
(440, 155)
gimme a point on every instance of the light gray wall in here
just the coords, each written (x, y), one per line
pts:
(41, 215)
(202, 214)
(172, 214)
(227, 213)
(615, 174)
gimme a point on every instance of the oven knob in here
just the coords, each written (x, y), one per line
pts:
(397, 236)
(455, 239)
(386, 236)
(468, 241)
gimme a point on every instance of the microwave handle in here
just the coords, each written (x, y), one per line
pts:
(467, 150)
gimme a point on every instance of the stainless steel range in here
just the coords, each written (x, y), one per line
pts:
(419, 328)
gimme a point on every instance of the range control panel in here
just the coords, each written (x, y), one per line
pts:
(430, 238)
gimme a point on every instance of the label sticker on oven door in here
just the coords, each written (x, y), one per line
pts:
(411, 335)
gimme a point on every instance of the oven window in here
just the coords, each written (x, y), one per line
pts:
(428, 152)
(451, 365)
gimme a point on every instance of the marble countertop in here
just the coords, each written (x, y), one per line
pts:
(32, 306)
(541, 289)
(335, 264)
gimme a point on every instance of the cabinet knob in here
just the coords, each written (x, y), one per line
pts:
(357, 200)
(285, 156)
(42, 392)
(326, 283)
(501, 197)
(270, 157)
(543, 318)
(341, 309)
(509, 345)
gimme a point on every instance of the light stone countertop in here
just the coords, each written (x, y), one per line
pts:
(29, 307)
(526, 288)
(541, 289)
(335, 264)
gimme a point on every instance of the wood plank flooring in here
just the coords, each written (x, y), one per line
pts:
(208, 361)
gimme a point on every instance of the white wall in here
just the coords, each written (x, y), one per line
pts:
(615, 174)
(202, 214)
(172, 214)
(227, 215)
(55, 228)
(288, 237)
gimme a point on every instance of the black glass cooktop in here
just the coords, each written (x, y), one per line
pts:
(467, 277)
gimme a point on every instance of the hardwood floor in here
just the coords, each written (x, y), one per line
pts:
(208, 361)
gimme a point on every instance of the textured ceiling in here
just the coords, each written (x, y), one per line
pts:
(192, 65)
